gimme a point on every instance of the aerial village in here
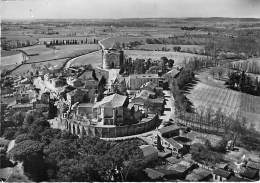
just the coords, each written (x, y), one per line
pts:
(121, 100)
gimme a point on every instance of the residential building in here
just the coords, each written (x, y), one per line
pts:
(221, 175)
(183, 167)
(137, 80)
(77, 95)
(75, 82)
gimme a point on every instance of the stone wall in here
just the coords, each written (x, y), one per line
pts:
(82, 128)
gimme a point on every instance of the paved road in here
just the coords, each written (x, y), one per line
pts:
(169, 106)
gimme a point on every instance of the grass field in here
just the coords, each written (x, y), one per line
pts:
(231, 102)
(178, 57)
(60, 51)
(94, 58)
(26, 68)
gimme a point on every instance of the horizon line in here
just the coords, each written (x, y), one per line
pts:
(129, 18)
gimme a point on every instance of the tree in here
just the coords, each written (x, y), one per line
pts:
(18, 118)
(30, 152)
(9, 133)
(73, 170)
(212, 72)
(170, 63)
(94, 75)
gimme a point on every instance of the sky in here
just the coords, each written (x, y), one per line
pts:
(91, 9)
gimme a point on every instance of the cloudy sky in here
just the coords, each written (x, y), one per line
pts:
(24, 9)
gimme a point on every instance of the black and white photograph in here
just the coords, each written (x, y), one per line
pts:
(130, 91)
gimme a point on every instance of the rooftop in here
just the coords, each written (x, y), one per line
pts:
(222, 172)
(86, 105)
(237, 179)
(172, 73)
(114, 100)
(148, 150)
(135, 76)
(145, 94)
(168, 129)
(250, 173)
(253, 164)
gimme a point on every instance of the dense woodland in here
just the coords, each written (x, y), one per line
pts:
(54, 155)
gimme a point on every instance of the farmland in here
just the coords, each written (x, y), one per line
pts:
(42, 53)
(231, 102)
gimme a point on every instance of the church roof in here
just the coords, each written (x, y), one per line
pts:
(114, 100)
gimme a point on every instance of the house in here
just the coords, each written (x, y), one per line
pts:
(110, 109)
(76, 95)
(142, 97)
(150, 86)
(183, 167)
(149, 152)
(223, 166)
(137, 80)
(57, 82)
(171, 138)
(171, 131)
(221, 175)
(198, 175)
(74, 82)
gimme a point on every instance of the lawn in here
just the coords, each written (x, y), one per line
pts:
(178, 57)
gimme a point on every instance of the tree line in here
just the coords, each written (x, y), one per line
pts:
(243, 82)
